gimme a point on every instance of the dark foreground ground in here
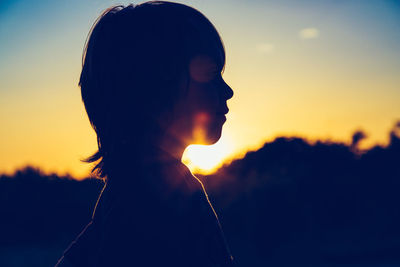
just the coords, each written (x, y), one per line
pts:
(291, 203)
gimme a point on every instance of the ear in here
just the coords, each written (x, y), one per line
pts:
(166, 119)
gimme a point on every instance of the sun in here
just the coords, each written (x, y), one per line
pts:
(206, 159)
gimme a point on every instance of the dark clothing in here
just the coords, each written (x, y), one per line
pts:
(152, 222)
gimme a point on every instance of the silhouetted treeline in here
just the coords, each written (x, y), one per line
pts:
(295, 202)
(290, 202)
(41, 214)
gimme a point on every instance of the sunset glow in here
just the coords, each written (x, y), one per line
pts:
(317, 69)
(206, 159)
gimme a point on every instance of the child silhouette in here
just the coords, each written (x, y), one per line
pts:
(152, 84)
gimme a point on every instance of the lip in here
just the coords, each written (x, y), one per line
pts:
(223, 112)
(221, 117)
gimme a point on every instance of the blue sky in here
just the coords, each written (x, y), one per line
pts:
(318, 69)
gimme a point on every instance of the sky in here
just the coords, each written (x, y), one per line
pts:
(314, 69)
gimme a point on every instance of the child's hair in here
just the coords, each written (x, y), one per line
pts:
(133, 61)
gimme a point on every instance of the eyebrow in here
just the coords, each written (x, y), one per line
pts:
(216, 68)
(218, 64)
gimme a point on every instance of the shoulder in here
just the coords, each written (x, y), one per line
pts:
(64, 262)
(80, 251)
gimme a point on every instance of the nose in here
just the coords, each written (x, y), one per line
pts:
(227, 91)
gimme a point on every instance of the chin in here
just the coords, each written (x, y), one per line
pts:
(213, 135)
(214, 138)
(208, 134)
(209, 138)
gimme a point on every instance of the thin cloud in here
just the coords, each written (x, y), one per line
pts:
(309, 33)
(265, 48)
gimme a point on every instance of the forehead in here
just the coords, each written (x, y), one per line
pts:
(220, 59)
(207, 40)
(210, 45)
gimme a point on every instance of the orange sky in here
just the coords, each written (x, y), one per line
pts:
(318, 69)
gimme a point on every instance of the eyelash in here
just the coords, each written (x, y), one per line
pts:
(217, 79)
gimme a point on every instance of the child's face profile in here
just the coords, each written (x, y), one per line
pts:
(202, 109)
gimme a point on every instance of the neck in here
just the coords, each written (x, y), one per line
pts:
(171, 148)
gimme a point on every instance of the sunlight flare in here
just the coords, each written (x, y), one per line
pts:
(207, 159)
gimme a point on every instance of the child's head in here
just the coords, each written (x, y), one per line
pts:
(152, 70)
